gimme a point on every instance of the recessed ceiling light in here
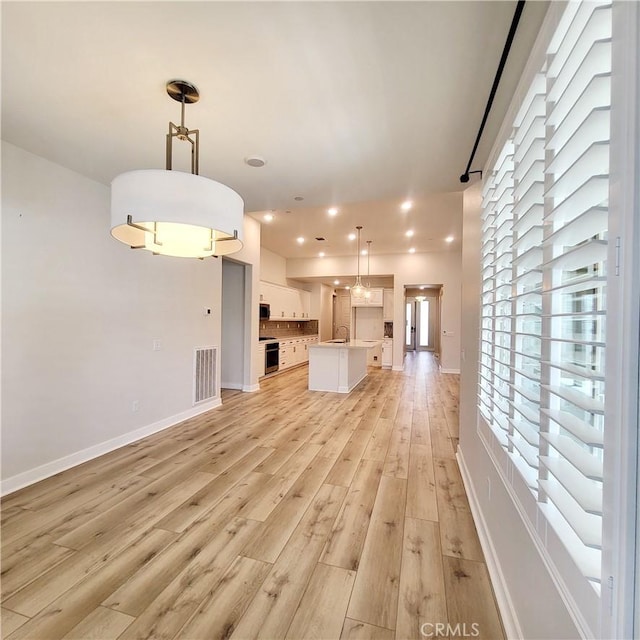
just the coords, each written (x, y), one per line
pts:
(336, 282)
(347, 287)
(406, 205)
(412, 250)
(363, 252)
(268, 217)
(332, 212)
(298, 198)
(300, 240)
(449, 239)
(321, 254)
(352, 236)
(255, 161)
(409, 233)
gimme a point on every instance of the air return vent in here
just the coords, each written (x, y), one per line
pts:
(204, 374)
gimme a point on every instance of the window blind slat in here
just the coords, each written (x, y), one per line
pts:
(585, 432)
(587, 526)
(587, 495)
(588, 465)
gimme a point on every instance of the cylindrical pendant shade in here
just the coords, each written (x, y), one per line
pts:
(176, 213)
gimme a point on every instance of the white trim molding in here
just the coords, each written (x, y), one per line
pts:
(26, 478)
(449, 370)
(507, 609)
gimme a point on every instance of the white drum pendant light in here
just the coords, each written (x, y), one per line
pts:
(175, 213)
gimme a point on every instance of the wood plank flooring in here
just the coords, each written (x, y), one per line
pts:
(284, 514)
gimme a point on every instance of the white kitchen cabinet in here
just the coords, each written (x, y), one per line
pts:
(387, 353)
(305, 304)
(261, 359)
(285, 356)
(374, 300)
(387, 305)
(286, 303)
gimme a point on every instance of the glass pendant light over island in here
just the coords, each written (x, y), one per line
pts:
(172, 212)
(358, 290)
(367, 290)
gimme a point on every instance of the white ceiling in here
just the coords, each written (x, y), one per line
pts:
(358, 105)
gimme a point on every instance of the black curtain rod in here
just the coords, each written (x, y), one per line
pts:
(496, 81)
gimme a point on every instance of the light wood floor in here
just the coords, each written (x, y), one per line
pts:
(283, 514)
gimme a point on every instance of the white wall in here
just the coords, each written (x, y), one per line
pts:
(233, 325)
(80, 312)
(273, 268)
(250, 256)
(407, 269)
(529, 601)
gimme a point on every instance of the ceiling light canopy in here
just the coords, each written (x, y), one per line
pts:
(175, 213)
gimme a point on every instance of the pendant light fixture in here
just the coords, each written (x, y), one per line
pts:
(176, 213)
(357, 291)
(367, 290)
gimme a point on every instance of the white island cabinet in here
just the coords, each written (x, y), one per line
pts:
(338, 366)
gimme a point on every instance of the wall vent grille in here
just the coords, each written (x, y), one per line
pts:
(204, 374)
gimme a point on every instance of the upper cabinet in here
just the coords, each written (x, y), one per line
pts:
(375, 299)
(286, 303)
(387, 306)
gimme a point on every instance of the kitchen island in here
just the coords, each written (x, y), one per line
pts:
(337, 365)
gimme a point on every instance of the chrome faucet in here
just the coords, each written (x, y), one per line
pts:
(346, 331)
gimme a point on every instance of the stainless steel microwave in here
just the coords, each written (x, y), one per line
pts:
(265, 311)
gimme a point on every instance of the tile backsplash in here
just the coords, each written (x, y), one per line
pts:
(287, 328)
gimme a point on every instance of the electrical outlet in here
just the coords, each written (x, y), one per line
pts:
(157, 344)
(207, 311)
(135, 406)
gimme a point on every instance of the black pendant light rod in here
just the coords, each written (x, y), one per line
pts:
(496, 81)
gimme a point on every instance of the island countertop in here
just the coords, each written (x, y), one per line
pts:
(352, 344)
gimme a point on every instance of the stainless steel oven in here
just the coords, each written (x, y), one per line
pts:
(271, 357)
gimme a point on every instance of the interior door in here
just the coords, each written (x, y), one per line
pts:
(410, 326)
(425, 324)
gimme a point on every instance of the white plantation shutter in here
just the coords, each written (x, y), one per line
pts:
(541, 384)
(574, 292)
(494, 391)
(529, 139)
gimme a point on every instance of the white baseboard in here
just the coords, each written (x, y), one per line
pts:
(24, 479)
(236, 386)
(503, 599)
(449, 370)
(250, 388)
(397, 368)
